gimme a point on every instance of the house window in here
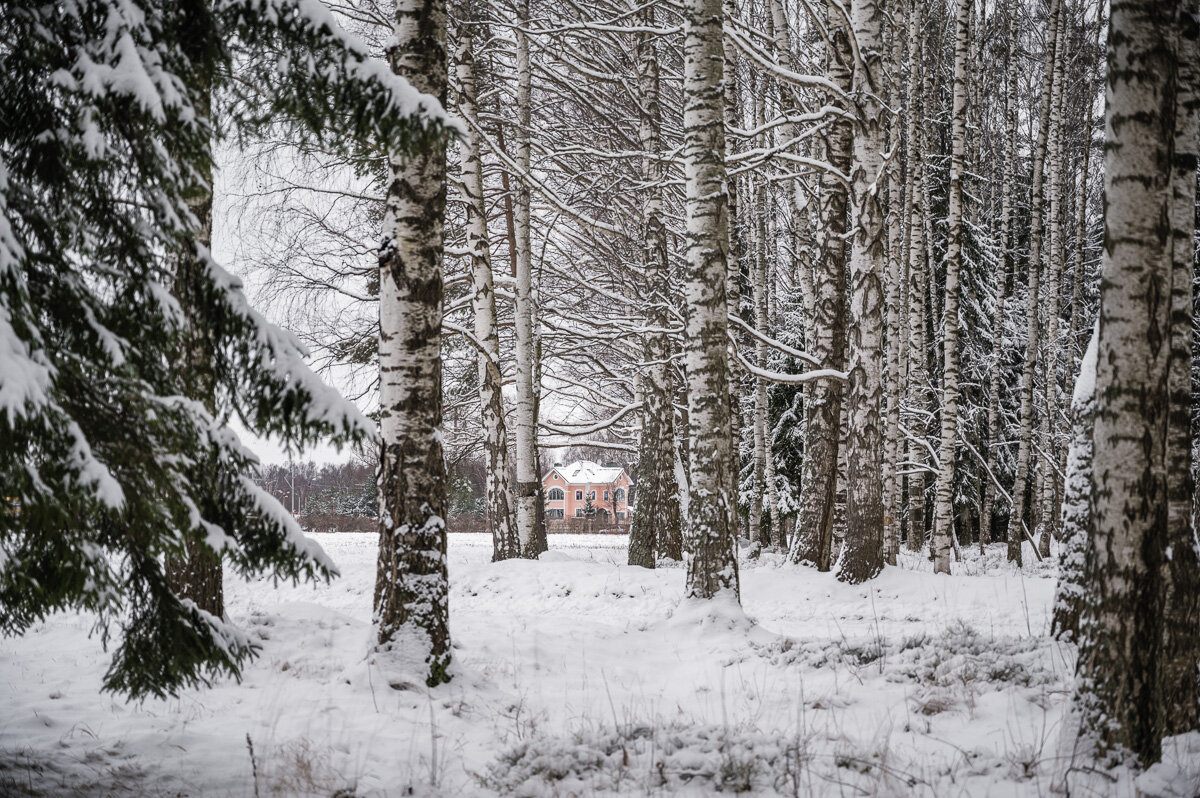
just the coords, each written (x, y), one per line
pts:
(621, 515)
(579, 512)
(619, 495)
(578, 495)
(553, 514)
(592, 495)
(555, 495)
(605, 495)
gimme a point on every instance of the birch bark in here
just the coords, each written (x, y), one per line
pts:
(1016, 516)
(862, 553)
(411, 615)
(1181, 575)
(530, 521)
(1048, 480)
(505, 541)
(1006, 219)
(656, 523)
(712, 558)
(943, 515)
(918, 373)
(823, 398)
(1118, 702)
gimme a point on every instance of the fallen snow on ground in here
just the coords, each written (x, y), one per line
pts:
(579, 675)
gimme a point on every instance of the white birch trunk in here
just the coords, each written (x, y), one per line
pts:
(862, 553)
(1016, 516)
(656, 524)
(943, 514)
(411, 616)
(1048, 480)
(1117, 707)
(505, 541)
(1181, 575)
(711, 530)
(530, 519)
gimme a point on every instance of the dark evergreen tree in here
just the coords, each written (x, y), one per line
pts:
(108, 470)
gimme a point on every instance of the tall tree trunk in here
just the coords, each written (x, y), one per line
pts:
(943, 513)
(735, 255)
(862, 553)
(1118, 702)
(1016, 515)
(1006, 247)
(895, 284)
(505, 541)
(1181, 575)
(1048, 480)
(758, 535)
(918, 372)
(411, 589)
(712, 566)
(530, 514)
(656, 522)
(823, 398)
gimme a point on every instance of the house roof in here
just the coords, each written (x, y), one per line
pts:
(585, 472)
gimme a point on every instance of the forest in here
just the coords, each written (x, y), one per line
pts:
(779, 397)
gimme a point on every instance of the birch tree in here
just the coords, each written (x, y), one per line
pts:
(862, 552)
(411, 616)
(943, 518)
(712, 558)
(1181, 572)
(1016, 516)
(656, 524)
(823, 399)
(505, 541)
(530, 520)
(1117, 705)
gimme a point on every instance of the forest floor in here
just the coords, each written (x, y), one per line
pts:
(578, 675)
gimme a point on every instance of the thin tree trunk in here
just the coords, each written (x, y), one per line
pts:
(943, 514)
(894, 283)
(656, 523)
(735, 255)
(529, 486)
(1118, 702)
(862, 553)
(1006, 246)
(758, 535)
(918, 373)
(1048, 481)
(411, 589)
(712, 532)
(823, 398)
(505, 541)
(1016, 515)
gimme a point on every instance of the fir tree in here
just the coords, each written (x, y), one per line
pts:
(104, 144)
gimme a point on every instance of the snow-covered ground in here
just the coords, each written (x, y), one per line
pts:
(578, 675)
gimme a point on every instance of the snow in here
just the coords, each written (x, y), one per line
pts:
(579, 675)
(24, 376)
(583, 472)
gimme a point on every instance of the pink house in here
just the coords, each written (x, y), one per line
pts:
(572, 490)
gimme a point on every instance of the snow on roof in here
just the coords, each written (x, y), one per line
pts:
(586, 472)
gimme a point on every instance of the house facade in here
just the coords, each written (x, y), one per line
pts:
(585, 489)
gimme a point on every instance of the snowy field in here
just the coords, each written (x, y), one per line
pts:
(577, 675)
